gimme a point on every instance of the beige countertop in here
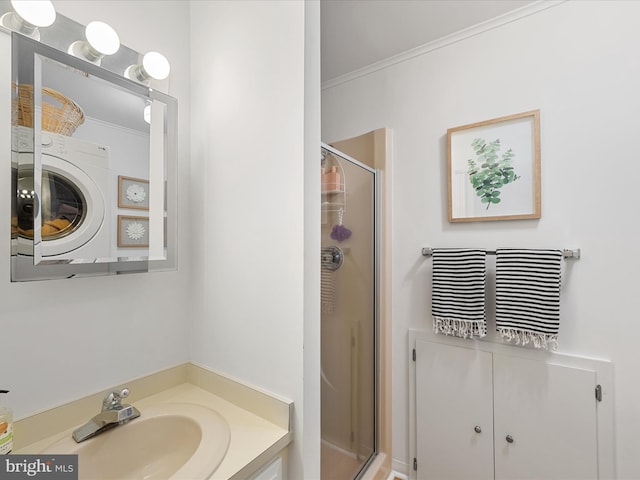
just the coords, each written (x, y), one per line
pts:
(254, 439)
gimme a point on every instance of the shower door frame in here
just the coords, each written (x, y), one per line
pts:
(376, 303)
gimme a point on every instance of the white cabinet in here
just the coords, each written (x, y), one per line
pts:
(549, 413)
(454, 399)
(273, 471)
(485, 411)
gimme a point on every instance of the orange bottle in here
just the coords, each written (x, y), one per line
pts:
(332, 179)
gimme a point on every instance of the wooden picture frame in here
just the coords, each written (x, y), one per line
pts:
(133, 193)
(133, 231)
(494, 169)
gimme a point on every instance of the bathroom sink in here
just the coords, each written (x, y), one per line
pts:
(167, 441)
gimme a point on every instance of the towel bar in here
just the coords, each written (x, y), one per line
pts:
(566, 253)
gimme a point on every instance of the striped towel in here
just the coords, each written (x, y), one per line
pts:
(528, 296)
(457, 292)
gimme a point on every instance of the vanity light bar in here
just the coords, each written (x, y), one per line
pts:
(100, 39)
(566, 253)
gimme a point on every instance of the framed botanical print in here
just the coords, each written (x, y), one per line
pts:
(133, 193)
(494, 169)
(133, 231)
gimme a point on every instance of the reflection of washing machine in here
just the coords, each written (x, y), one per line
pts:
(74, 204)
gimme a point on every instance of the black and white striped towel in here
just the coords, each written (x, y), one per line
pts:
(457, 292)
(528, 296)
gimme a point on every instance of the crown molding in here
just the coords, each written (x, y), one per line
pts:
(464, 34)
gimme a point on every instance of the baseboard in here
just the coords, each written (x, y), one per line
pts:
(401, 469)
(397, 476)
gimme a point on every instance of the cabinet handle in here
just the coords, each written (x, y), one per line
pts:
(477, 429)
(509, 439)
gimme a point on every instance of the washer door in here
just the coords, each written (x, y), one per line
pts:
(71, 206)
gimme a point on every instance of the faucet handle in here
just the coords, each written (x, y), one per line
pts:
(112, 400)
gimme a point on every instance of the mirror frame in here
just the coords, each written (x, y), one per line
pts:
(22, 266)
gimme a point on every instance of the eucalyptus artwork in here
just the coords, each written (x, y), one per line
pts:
(483, 157)
(494, 171)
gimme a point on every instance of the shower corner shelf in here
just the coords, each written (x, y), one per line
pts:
(332, 206)
(333, 192)
(334, 199)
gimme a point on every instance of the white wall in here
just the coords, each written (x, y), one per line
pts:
(248, 182)
(64, 339)
(578, 63)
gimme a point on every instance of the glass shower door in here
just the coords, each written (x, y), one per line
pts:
(349, 316)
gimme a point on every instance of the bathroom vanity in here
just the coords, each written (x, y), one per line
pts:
(260, 424)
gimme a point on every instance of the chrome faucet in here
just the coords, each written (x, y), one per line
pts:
(113, 414)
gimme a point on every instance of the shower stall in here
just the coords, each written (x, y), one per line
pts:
(349, 315)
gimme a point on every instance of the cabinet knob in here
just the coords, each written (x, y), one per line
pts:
(509, 439)
(477, 429)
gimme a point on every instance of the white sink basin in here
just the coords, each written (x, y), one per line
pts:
(168, 441)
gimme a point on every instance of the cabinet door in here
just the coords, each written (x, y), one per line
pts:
(273, 471)
(453, 397)
(549, 412)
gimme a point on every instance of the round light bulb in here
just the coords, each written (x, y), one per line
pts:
(146, 113)
(156, 65)
(40, 13)
(102, 38)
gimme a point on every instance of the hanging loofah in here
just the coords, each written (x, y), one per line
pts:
(339, 232)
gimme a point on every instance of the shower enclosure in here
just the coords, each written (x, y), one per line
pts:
(349, 317)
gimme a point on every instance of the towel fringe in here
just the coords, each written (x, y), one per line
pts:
(545, 341)
(459, 328)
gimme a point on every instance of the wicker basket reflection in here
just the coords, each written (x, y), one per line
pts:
(59, 113)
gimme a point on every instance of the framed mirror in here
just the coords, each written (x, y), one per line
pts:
(89, 147)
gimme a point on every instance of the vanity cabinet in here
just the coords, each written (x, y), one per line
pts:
(481, 414)
(274, 470)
